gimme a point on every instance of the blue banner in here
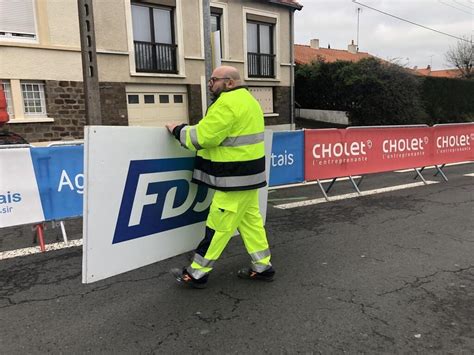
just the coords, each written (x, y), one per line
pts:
(287, 159)
(60, 177)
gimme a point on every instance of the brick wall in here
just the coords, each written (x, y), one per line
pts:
(113, 104)
(281, 105)
(194, 103)
(65, 104)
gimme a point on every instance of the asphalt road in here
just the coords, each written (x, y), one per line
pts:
(386, 273)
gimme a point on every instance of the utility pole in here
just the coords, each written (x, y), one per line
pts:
(90, 72)
(206, 12)
(358, 15)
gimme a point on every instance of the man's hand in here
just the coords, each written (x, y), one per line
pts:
(171, 126)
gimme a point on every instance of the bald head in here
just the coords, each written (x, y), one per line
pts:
(226, 71)
(230, 72)
(225, 78)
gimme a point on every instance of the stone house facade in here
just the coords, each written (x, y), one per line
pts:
(150, 61)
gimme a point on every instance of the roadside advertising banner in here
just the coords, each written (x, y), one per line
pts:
(287, 158)
(140, 206)
(338, 152)
(60, 178)
(320, 162)
(453, 143)
(19, 196)
(388, 148)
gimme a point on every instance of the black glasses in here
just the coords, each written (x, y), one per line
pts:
(213, 79)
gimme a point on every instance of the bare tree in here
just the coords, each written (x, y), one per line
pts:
(400, 61)
(461, 56)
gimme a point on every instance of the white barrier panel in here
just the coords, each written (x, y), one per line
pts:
(20, 201)
(139, 204)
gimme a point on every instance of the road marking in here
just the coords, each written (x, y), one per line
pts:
(287, 199)
(433, 167)
(35, 250)
(306, 183)
(316, 201)
(472, 174)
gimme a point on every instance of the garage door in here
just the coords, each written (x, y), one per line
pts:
(155, 109)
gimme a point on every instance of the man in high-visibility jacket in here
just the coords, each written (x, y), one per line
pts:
(230, 158)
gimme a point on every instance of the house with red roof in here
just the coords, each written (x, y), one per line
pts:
(305, 54)
(444, 73)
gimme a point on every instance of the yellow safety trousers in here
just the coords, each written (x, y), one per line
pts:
(231, 210)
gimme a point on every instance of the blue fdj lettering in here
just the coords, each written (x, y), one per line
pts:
(159, 196)
(10, 197)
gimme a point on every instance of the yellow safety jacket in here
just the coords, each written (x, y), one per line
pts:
(229, 142)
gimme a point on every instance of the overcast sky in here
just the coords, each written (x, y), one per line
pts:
(334, 22)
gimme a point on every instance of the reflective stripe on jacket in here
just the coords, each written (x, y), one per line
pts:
(229, 142)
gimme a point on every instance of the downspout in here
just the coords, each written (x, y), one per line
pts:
(206, 14)
(292, 70)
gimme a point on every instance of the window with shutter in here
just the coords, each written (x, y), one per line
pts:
(17, 19)
(216, 24)
(154, 38)
(260, 48)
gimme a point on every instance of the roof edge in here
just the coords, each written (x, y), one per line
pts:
(293, 5)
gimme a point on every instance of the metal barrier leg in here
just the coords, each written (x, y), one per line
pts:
(354, 184)
(322, 190)
(360, 181)
(34, 234)
(442, 167)
(63, 230)
(39, 231)
(330, 185)
(440, 171)
(418, 172)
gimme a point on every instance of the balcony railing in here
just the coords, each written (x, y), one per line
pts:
(261, 65)
(155, 57)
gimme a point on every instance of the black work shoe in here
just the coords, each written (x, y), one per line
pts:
(183, 278)
(248, 273)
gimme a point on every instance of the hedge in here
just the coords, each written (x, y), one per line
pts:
(376, 93)
(448, 100)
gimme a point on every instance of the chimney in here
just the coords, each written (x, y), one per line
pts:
(415, 67)
(352, 48)
(428, 67)
(314, 43)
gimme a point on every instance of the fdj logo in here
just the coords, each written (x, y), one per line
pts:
(159, 196)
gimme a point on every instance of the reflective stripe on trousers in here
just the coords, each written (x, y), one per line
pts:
(230, 211)
(202, 261)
